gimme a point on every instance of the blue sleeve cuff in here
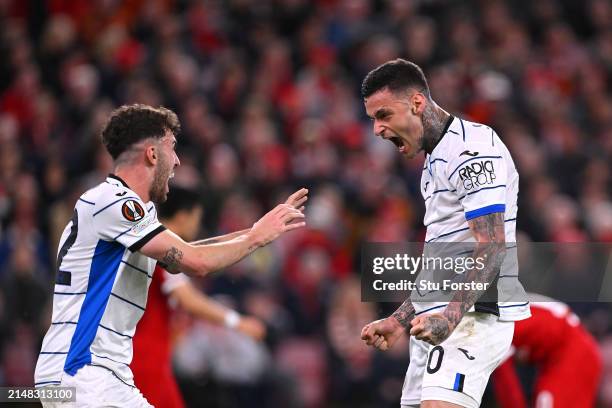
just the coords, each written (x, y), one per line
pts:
(490, 209)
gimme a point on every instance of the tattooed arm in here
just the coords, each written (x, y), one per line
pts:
(176, 255)
(198, 260)
(404, 314)
(490, 247)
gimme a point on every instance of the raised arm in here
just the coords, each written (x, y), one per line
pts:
(491, 248)
(199, 260)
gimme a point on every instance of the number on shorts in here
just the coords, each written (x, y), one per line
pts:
(440, 353)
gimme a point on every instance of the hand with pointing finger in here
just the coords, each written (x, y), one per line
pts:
(297, 199)
(282, 218)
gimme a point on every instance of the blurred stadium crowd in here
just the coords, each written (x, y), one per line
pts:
(268, 95)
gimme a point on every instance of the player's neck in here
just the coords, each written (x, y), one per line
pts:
(435, 122)
(137, 180)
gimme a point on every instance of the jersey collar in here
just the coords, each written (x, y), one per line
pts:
(114, 176)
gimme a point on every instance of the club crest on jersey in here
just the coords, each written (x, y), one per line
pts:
(132, 211)
(477, 174)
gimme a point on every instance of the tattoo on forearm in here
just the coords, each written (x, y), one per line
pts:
(490, 234)
(172, 259)
(404, 314)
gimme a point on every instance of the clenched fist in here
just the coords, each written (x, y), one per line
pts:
(433, 328)
(382, 333)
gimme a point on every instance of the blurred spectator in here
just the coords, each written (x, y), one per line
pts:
(347, 313)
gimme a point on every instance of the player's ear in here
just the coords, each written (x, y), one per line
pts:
(418, 102)
(151, 154)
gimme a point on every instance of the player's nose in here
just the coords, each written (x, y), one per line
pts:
(378, 129)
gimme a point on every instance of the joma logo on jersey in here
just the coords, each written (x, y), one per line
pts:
(477, 174)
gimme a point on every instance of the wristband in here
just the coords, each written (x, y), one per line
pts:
(231, 319)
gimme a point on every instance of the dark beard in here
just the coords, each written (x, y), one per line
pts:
(157, 192)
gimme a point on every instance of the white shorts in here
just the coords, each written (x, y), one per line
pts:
(99, 387)
(457, 370)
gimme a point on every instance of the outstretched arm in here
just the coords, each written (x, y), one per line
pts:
(199, 260)
(221, 238)
(491, 249)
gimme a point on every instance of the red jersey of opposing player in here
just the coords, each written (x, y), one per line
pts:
(151, 364)
(565, 354)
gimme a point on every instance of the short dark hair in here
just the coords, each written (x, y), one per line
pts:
(395, 75)
(179, 199)
(129, 124)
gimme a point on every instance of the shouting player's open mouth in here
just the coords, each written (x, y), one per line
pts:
(399, 142)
